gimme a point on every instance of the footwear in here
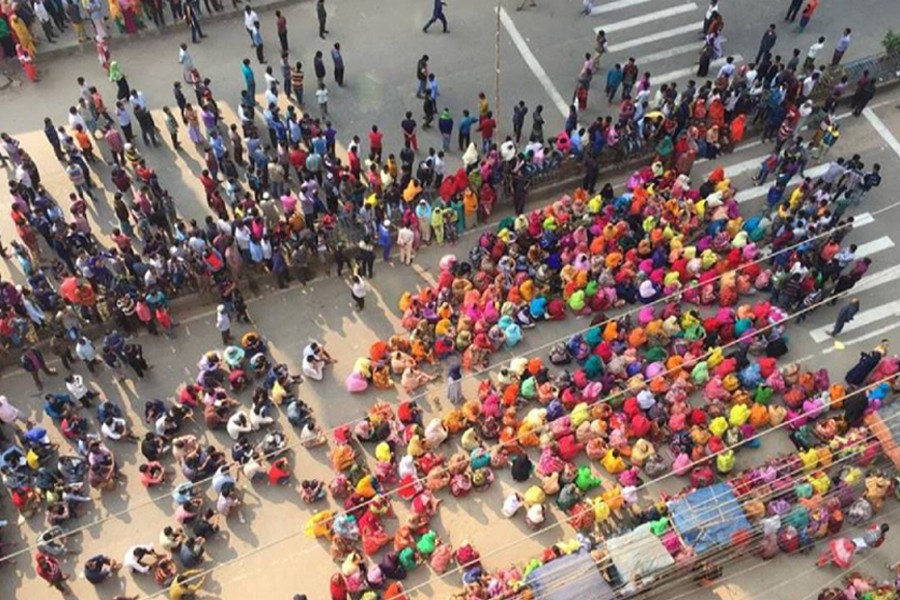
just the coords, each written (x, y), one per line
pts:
(829, 333)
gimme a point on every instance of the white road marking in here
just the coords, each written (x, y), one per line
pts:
(878, 332)
(861, 219)
(862, 318)
(693, 47)
(655, 37)
(762, 190)
(688, 71)
(879, 126)
(742, 167)
(533, 64)
(874, 247)
(614, 6)
(647, 18)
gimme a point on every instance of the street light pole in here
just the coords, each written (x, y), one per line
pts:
(497, 64)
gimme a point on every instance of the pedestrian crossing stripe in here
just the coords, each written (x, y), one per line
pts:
(647, 18)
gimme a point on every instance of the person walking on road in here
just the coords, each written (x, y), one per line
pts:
(338, 60)
(322, 15)
(766, 43)
(437, 14)
(281, 28)
(807, 14)
(844, 316)
(358, 291)
(33, 362)
(840, 48)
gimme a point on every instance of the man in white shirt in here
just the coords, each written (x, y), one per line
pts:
(76, 388)
(185, 60)
(813, 52)
(250, 17)
(405, 239)
(223, 324)
(44, 17)
(136, 555)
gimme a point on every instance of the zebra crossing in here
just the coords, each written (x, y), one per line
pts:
(656, 33)
(651, 34)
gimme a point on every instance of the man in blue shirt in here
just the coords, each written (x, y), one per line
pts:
(256, 34)
(465, 130)
(437, 15)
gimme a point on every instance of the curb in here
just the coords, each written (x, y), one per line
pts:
(151, 30)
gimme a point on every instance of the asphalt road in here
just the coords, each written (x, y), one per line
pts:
(381, 42)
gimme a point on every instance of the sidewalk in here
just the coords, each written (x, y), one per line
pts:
(67, 43)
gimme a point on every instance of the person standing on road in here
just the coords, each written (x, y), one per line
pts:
(249, 80)
(844, 316)
(629, 78)
(250, 17)
(793, 9)
(518, 119)
(408, 125)
(813, 52)
(322, 99)
(281, 28)
(223, 324)
(322, 15)
(613, 81)
(437, 14)
(257, 38)
(297, 82)
(338, 60)
(766, 43)
(537, 124)
(319, 67)
(841, 47)
(193, 20)
(865, 89)
(422, 76)
(465, 130)
(711, 12)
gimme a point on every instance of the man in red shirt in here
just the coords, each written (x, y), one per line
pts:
(486, 126)
(375, 143)
(281, 27)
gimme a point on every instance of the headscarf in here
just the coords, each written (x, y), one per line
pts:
(115, 72)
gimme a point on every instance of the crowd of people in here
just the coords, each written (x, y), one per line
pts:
(281, 201)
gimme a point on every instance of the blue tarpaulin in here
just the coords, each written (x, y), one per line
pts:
(571, 577)
(708, 517)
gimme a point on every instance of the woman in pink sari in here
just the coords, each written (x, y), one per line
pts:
(128, 16)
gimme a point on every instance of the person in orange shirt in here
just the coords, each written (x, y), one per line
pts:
(84, 143)
(470, 206)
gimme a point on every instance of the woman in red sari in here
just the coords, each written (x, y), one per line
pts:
(27, 62)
